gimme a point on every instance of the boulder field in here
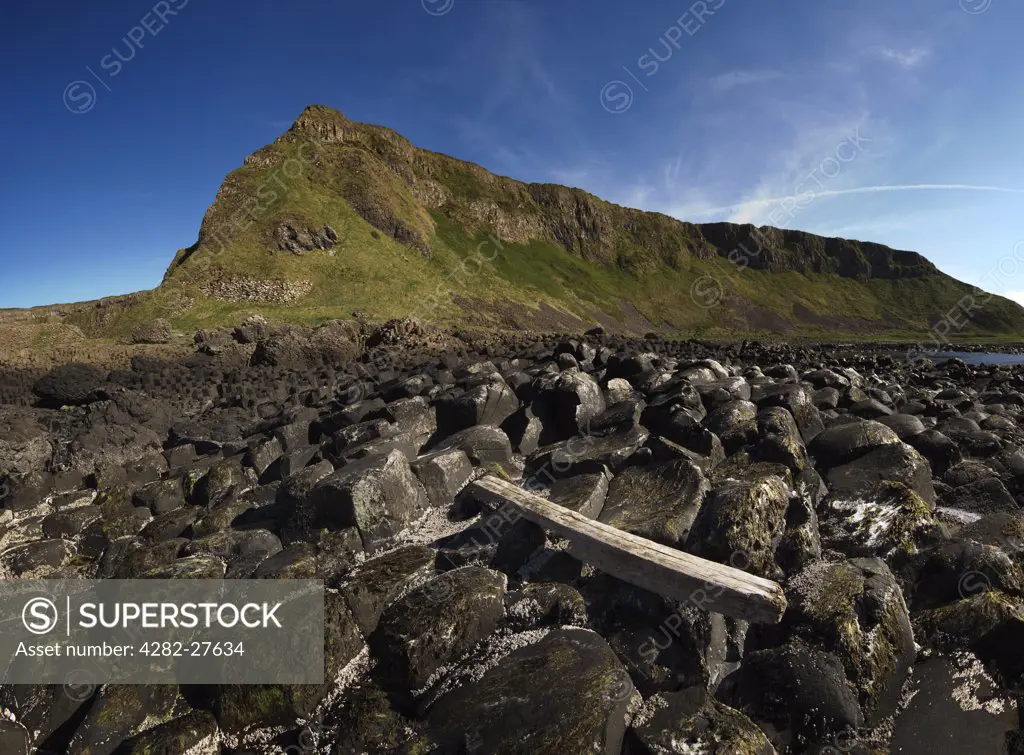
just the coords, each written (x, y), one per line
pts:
(883, 495)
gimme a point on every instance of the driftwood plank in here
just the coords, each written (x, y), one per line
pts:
(669, 572)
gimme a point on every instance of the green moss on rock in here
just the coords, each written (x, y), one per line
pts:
(891, 522)
(855, 609)
(742, 521)
(693, 721)
(967, 621)
(659, 502)
(566, 693)
(241, 706)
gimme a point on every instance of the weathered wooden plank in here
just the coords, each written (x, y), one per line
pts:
(669, 572)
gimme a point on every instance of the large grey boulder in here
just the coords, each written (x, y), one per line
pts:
(798, 694)
(743, 520)
(378, 494)
(241, 706)
(845, 443)
(693, 721)
(436, 624)
(488, 404)
(658, 502)
(485, 446)
(566, 406)
(855, 609)
(443, 474)
(566, 693)
(375, 584)
(893, 462)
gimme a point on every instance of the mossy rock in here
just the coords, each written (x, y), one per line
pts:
(366, 722)
(219, 544)
(693, 721)
(667, 656)
(130, 557)
(735, 423)
(566, 693)
(297, 561)
(742, 521)
(798, 694)
(845, 443)
(115, 499)
(1003, 529)
(801, 542)
(220, 516)
(195, 733)
(193, 478)
(545, 603)
(663, 449)
(658, 502)
(251, 545)
(961, 568)
(588, 454)
(777, 420)
(797, 400)
(173, 524)
(435, 624)
(891, 522)
(614, 604)
(856, 610)
(990, 624)
(202, 566)
(118, 712)
(161, 496)
(378, 494)
(120, 523)
(337, 551)
(221, 478)
(377, 583)
(965, 622)
(782, 449)
(241, 706)
(744, 465)
(894, 461)
(584, 493)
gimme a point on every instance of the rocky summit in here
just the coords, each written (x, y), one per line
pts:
(883, 495)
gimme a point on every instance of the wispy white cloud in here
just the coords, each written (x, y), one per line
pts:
(774, 159)
(813, 139)
(758, 204)
(505, 69)
(725, 82)
(748, 154)
(589, 173)
(908, 59)
(877, 226)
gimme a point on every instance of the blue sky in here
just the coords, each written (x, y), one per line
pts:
(897, 123)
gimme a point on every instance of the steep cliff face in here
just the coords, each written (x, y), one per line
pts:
(776, 249)
(561, 247)
(582, 224)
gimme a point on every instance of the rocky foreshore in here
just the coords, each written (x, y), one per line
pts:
(883, 494)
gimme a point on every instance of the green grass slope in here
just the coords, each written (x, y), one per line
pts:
(423, 234)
